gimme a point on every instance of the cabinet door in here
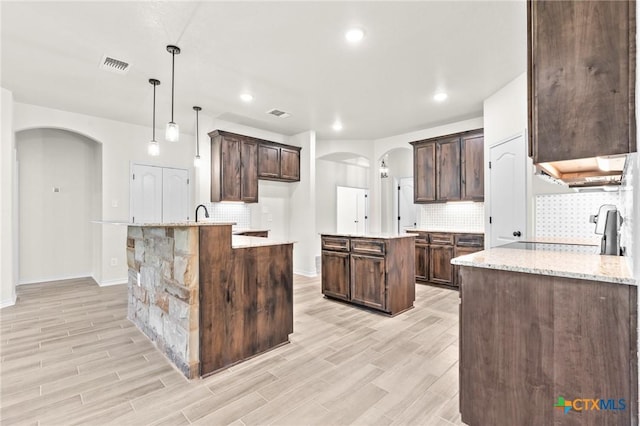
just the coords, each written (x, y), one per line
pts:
(249, 179)
(290, 164)
(472, 179)
(424, 172)
(581, 79)
(268, 161)
(440, 267)
(230, 166)
(448, 167)
(368, 283)
(335, 274)
(422, 262)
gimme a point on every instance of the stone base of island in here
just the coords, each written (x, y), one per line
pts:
(542, 329)
(376, 271)
(208, 299)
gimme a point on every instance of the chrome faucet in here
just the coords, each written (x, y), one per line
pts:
(206, 212)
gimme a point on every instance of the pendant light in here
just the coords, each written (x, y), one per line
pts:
(384, 170)
(196, 160)
(154, 148)
(173, 131)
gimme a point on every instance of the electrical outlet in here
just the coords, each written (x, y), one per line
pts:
(138, 279)
(114, 203)
(114, 261)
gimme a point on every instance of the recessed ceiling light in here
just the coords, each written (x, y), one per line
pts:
(337, 126)
(246, 97)
(354, 35)
(440, 96)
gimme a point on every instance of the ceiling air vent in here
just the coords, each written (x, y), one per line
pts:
(114, 65)
(277, 113)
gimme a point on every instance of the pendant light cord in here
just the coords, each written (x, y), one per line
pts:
(154, 112)
(197, 136)
(173, 73)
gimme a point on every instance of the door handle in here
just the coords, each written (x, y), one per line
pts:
(517, 233)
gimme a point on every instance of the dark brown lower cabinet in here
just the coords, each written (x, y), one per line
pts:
(528, 339)
(368, 281)
(422, 262)
(335, 267)
(440, 267)
(374, 272)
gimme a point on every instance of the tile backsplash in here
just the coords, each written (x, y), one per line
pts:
(240, 213)
(567, 215)
(452, 217)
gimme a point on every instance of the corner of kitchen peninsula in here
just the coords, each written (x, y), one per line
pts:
(209, 299)
(538, 324)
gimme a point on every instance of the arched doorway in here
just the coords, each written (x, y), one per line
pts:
(60, 193)
(397, 211)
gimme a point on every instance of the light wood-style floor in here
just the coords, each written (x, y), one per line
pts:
(70, 356)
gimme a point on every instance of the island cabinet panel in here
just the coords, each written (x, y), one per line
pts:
(246, 300)
(581, 72)
(374, 272)
(335, 274)
(541, 338)
(368, 281)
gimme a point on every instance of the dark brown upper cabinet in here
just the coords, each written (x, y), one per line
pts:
(581, 77)
(472, 177)
(234, 167)
(449, 168)
(278, 162)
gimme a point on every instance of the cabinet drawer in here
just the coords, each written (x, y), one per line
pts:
(469, 240)
(442, 239)
(335, 243)
(367, 246)
(421, 237)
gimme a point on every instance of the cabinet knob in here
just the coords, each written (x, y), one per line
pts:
(517, 233)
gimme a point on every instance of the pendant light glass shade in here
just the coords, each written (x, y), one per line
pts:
(173, 131)
(153, 148)
(196, 160)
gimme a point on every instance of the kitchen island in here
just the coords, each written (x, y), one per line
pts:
(540, 332)
(208, 299)
(376, 271)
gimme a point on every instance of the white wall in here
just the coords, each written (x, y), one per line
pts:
(329, 175)
(56, 236)
(8, 225)
(122, 143)
(505, 115)
(303, 207)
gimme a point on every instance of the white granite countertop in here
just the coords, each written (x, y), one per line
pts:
(160, 225)
(242, 230)
(583, 241)
(382, 236)
(613, 269)
(243, 241)
(444, 231)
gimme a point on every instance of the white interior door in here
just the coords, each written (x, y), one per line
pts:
(175, 195)
(406, 208)
(146, 194)
(507, 180)
(351, 210)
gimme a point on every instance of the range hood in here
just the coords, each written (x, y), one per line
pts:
(586, 172)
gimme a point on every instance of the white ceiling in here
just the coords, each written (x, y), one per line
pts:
(289, 55)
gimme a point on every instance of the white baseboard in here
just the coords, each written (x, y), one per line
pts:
(309, 274)
(117, 281)
(50, 279)
(8, 302)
